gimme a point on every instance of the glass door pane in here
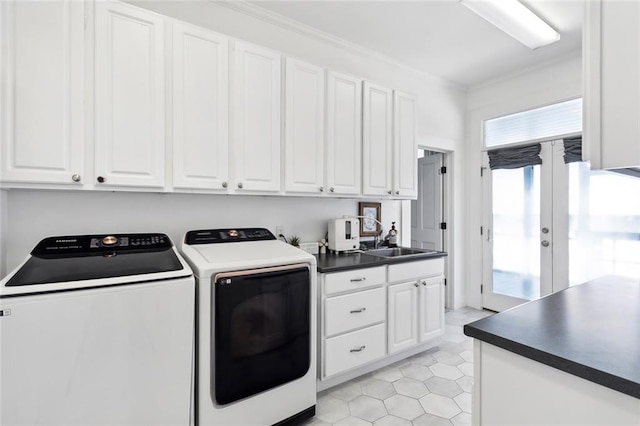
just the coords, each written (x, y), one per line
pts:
(604, 224)
(516, 235)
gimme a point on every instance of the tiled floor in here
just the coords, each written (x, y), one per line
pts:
(431, 388)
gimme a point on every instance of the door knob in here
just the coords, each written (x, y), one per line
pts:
(545, 243)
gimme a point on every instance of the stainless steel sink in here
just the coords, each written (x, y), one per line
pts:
(398, 251)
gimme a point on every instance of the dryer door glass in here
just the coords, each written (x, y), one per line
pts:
(262, 331)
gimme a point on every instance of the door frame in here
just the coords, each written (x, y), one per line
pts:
(448, 236)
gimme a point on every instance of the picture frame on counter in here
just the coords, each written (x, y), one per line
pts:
(369, 227)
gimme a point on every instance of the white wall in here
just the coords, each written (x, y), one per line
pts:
(544, 86)
(33, 215)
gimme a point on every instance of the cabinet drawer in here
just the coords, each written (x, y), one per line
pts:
(355, 310)
(353, 349)
(412, 270)
(354, 280)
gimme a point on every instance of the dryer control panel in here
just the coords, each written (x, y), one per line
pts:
(228, 235)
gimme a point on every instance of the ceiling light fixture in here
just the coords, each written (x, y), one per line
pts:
(515, 19)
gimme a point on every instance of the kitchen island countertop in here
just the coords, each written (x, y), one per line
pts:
(333, 262)
(591, 331)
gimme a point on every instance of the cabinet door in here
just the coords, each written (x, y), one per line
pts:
(42, 91)
(431, 307)
(612, 84)
(344, 134)
(200, 108)
(129, 125)
(405, 147)
(256, 118)
(402, 324)
(377, 139)
(304, 127)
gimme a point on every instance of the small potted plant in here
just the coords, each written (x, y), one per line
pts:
(294, 240)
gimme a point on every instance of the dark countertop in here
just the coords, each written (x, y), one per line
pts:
(332, 262)
(590, 330)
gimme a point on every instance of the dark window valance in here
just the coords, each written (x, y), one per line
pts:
(515, 158)
(572, 149)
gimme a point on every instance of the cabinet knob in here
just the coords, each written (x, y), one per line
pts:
(321, 189)
(331, 189)
(76, 178)
(101, 179)
(240, 185)
(360, 349)
(389, 192)
(357, 311)
(355, 280)
(224, 184)
(397, 192)
(416, 284)
(424, 283)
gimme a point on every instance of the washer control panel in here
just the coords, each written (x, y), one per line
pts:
(88, 244)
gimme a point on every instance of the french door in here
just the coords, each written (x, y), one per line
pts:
(525, 230)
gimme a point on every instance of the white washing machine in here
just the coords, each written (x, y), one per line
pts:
(256, 328)
(98, 330)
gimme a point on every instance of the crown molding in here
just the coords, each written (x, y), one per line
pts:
(270, 17)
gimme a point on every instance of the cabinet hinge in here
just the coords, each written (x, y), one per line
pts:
(443, 170)
(443, 225)
(481, 288)
(85, 21)
(445, 282)
(482, 171)
(481, 231)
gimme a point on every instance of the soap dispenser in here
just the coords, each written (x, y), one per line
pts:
(393, 235)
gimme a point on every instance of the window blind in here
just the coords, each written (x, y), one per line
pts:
(572, 149)
(540, 123)
(515, 158)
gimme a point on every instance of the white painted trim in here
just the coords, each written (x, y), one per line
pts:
(281, 21)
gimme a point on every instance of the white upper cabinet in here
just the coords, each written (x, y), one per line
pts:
(42, 91)
(377, 139)
(304, 127)
(611, 51)
(129, 104)
(256, 115)
(200, 108)
(344, 134)
(405, 146)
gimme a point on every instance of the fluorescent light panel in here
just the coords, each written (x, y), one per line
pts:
(515, 19)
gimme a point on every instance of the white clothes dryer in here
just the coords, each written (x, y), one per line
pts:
(256, 328)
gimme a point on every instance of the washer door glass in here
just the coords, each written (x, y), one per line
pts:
(262, 331)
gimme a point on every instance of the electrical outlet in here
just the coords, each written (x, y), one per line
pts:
(279, 231)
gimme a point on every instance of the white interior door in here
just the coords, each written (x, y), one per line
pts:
(426, 210)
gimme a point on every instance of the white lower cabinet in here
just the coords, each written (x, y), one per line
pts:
(353, 349)
(403, 316)
(369, 314)
(430, 307)
(416, 303)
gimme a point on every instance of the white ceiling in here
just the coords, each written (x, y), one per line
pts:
(439, 37)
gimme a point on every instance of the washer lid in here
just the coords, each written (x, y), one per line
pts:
(93, 257)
